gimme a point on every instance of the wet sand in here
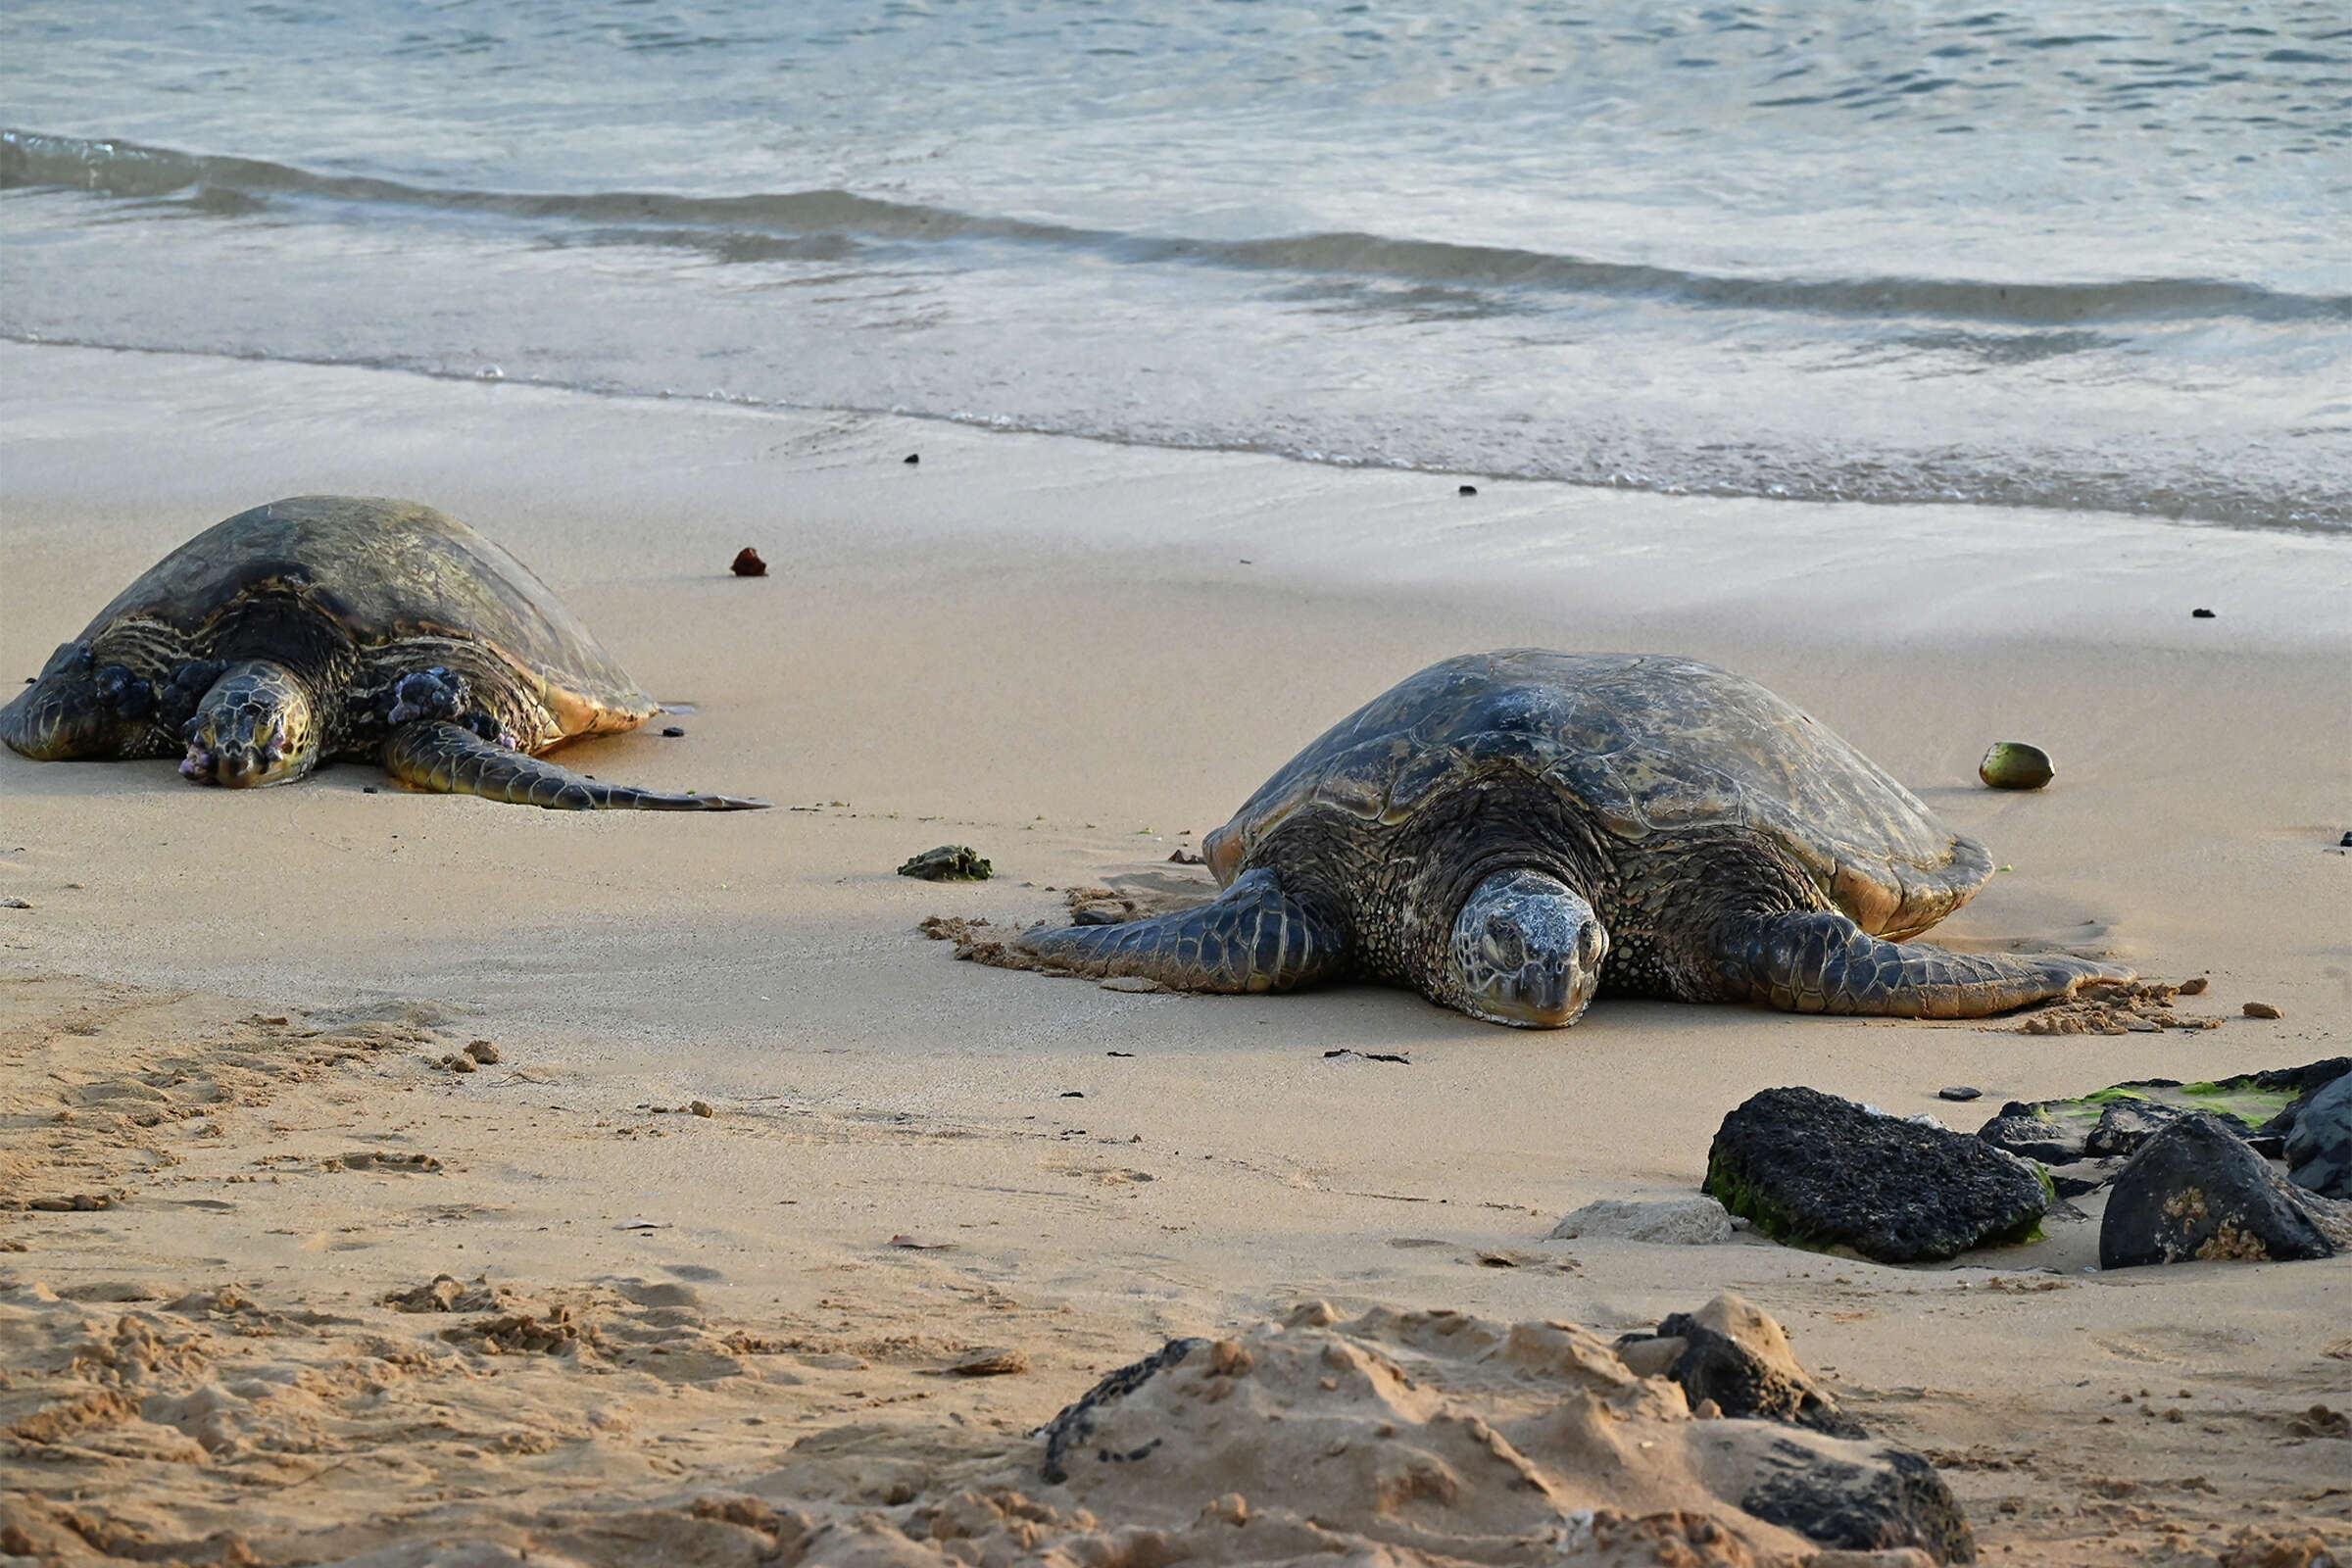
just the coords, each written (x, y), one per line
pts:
(1077, 658)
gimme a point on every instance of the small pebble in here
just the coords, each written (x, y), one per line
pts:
(13, 904)
(748, 563)
(481, 1051)
(2262, 1009)
(911, 458)
(2201, 613)
(2344, 843)
(369, 789)
(1959, 1092)
(1073, 1094)
(2194, 986)
(700, 1108)
(1467, 490)
(672, 731)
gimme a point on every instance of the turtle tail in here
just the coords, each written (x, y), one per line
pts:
(438, 754)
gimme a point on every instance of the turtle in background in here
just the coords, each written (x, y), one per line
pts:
(1509, 832)
(340, 627)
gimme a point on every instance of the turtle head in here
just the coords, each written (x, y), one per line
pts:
(1525, 951)
(79, 708)
(257, 725)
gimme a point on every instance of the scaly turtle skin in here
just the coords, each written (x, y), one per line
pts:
(1509, 832)
(335, 626)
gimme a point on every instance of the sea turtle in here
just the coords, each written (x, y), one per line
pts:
(1508, 832)
(326, 626)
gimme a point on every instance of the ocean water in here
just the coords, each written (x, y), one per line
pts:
(2088, 253)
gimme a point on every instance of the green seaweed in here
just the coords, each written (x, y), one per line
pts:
(949, 862)
(1739, 1197)
(2250, 1102)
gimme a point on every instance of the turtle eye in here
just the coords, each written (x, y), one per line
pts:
(71, 659)
(1505, 945)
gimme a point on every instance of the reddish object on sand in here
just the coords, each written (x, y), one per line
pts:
(748, 563)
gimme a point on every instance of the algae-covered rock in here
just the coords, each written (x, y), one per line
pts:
(2014, 765)
(1815, 1170)
(949, 862)
(2260, 1107)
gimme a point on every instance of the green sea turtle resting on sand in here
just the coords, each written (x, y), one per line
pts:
(333, 626)
(1508, 833)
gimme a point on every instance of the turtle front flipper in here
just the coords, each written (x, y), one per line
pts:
(1252, 938)
(1821, 961)
(438, 754)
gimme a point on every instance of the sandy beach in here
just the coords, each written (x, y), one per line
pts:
(782, 1165)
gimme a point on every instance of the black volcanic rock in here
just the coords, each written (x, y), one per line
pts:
(2197, 1190)
(1815, 1170)
(1900, 1503)
(1739, 1358)
(2025, 1132)
(2318, 1152)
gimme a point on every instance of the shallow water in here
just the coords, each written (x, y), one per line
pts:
(2095, 255)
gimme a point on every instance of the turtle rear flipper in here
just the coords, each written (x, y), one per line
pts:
(1252, 938)
(1819, 961)
(438, 754)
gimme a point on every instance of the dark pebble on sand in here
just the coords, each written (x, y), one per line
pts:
(368, 789)
(912, 457)
(748, 563)
(13, 904)
(672, 731)
(1467, 490)
(2344, 843)
(1960, 1092)
(2201, 613)
(1073, 1094)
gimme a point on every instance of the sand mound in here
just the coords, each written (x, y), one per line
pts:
(1455, 1438)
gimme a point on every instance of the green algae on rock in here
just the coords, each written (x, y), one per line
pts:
(2256, 1105)
(949, 862)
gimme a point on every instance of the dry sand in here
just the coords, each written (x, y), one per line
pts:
(224, 1012)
